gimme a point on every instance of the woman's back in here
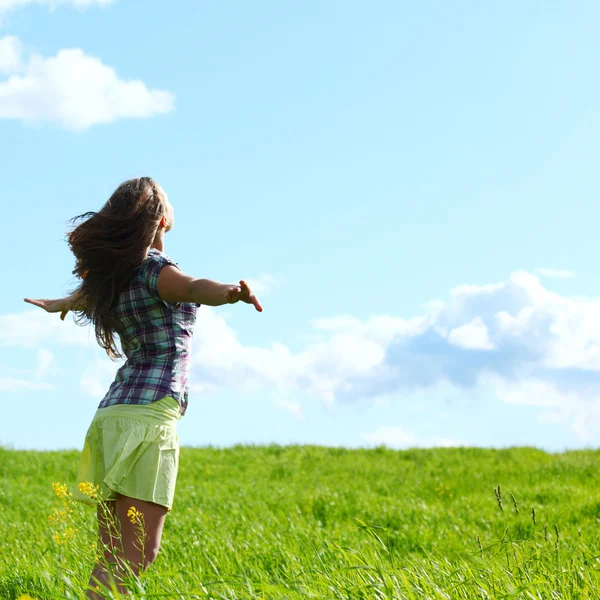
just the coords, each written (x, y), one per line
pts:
(156, 338)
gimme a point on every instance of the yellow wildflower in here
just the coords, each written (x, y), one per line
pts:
(26, 597)
(60, 489)
(88, 488)
(63, 538)
(134, 514)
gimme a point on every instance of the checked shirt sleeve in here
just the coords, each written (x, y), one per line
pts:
(156, 261)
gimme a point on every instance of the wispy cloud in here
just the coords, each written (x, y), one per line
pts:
(262, 285)
(12, 5)
(11, 384)
(554, 273)
(45, 362)
(397, 437)
(292, 406)
(11, 50)
(72, 90)
(34, 328)
(24, 379)
(97, 377)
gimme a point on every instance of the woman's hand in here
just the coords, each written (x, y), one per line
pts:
(61, 306)
(242, 292)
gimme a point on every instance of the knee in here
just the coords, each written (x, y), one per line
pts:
(140, 562)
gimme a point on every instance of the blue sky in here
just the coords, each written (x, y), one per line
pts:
(411, 186)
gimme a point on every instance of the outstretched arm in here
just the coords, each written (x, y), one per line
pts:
(174, 286)
(63, 305)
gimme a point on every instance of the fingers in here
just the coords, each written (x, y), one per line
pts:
(232, 295)
(39, 303)
(243, 293)
(51, 306)
(250, 297)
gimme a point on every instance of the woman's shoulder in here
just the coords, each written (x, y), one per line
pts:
(150, 269)
(158, 258)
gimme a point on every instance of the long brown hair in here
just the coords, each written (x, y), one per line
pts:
(109, 246)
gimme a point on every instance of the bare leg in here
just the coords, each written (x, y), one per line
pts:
(110, 541)
(130, 544)
(141, 555)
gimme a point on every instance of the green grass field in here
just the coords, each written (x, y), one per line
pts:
(311, 522)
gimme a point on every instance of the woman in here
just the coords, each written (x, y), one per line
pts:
(131, 289)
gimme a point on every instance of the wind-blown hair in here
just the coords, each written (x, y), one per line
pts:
(109, 246)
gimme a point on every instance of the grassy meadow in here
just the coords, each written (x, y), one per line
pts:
(274, 522)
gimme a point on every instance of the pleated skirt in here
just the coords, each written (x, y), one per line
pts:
(132, 449)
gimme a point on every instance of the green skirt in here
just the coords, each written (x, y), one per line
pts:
(132, 449)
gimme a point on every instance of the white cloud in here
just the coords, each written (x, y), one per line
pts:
(98, 376)
(45, 360)
(10, 54)
(24, 379)
(32, 328)
(73, 90)
(7, 5)
(342, 322)
(516, 339)
(292, 406)
(397, 437)
(578, 405)
(528, 391)
(11, 384)
(554, 273)
(322, 369)
(472, 336)
(262, 285)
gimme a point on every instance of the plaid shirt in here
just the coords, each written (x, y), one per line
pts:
(157, 338)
